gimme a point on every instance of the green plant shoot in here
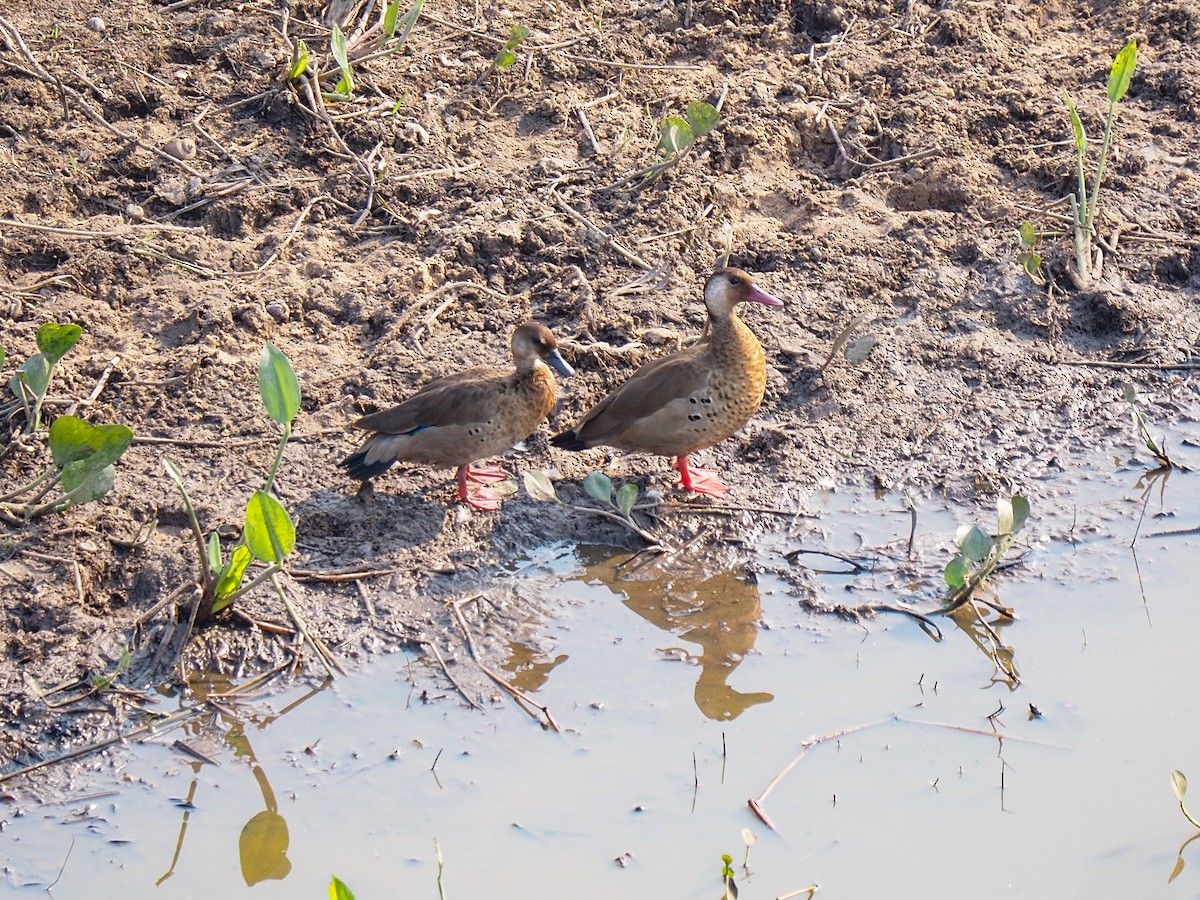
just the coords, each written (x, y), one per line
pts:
(508, 53)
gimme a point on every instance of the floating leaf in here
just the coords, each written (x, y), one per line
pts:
(277, 385)
(975, 544)
(1121, 72)
(339, 891)
(55, 340)
(539, 486)
(626, 498)
(956, 572)
(702, 118)
(599, 486)
(72, 440)
(270, 534)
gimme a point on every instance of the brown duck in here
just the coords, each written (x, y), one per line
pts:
(692, 399)
(464, 417)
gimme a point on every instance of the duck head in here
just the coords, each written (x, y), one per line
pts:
(728, 287)
(532, 342)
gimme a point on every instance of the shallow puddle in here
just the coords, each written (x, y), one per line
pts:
(681, 696)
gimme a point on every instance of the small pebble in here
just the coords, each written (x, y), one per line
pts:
(96, 24)
(279, 311)
(134, 212)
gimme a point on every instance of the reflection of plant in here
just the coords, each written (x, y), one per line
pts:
(268, 533)
(1179, 785)
(1156, 448)
(600, 487)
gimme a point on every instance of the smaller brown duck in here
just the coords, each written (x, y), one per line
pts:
(461, 418)
(692, 399)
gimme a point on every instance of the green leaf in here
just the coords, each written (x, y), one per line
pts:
(1020, 506)
(173, 471)
(1077, 126)
(214, 553)
(539, 486)
(1, 356)
(35, 372)
(300, 66)
(676, 135)
(390, 17)
(956, 572)
(72, 440)
(337, 46)
(55, 340)
(860, 348)
(599, 486)
(277, 385)
(975, 544)
(702, 118)
(1129, 392)
(410, 20)
(231, 576)
(339, 891)
(270, 534)
(626, 498)
(1031, 262)
(1122, 72)
(1004, 515)
(87, 482)
(506, 57)
(1028, 234)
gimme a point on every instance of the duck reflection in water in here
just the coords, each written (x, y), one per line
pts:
(715, 610)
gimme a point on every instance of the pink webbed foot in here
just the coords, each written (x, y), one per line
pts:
(699, 481)
(485, 474)
(477, 496)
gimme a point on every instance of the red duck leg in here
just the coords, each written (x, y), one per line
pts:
(699, 481)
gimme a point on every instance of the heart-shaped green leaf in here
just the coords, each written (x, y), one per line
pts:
(956, 572)
(55, 340)
(35, 372)
(599, 485)
(72, 440)
(85, 481)
(702, 118)
(975, 544)
(626, 498)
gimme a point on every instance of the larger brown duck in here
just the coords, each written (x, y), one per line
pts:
(692, 399)
(465, 417)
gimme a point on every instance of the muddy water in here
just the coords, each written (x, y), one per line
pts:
(682, 694)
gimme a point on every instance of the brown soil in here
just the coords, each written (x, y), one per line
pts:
(500, 194)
